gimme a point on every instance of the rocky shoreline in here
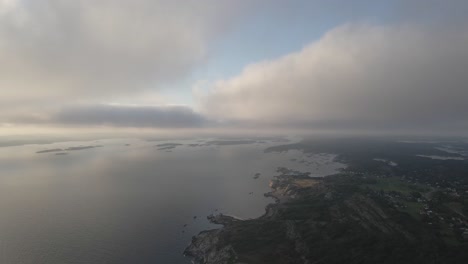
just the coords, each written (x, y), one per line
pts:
(213, 246)
(336, 219)
(205, 248)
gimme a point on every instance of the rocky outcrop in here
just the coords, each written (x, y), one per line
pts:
(207, 248)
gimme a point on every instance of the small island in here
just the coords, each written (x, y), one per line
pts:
(60, 150)
(168, 146)
(82, 148)
(230, 142)
(49, 150)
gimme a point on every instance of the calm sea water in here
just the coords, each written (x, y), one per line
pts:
(129, 204)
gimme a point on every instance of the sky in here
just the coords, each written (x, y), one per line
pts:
(373, 66)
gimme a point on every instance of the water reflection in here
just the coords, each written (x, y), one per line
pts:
(128, 202)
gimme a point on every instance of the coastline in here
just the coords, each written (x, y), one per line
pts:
(212, 246)
(340, 218)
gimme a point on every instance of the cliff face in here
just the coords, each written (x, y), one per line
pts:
(326, 220)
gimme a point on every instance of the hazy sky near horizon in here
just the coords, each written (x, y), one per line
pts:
(386, 65)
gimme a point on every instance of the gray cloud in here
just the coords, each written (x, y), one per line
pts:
(356, 76)
(128, 116)
(90, 50)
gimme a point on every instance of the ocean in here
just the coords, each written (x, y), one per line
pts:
(131, 200)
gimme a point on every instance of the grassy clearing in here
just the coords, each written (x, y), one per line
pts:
(413, 208)
(456, 207)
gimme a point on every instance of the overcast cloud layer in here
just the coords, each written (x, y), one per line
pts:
(392, 66)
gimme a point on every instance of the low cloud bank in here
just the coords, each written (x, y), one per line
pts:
(129, 116)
